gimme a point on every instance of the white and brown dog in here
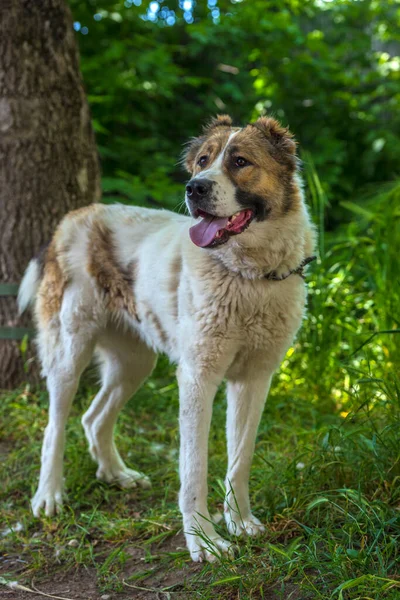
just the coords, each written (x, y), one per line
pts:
(219, 292)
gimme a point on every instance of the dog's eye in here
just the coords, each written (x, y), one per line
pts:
(241, 162)
(202, 161)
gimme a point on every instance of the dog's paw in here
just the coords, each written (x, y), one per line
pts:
(47, 498)
(209, 549)
(123, 477)
(238, 525)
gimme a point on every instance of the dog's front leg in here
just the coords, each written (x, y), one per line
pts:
(196, 394)
(246, 399)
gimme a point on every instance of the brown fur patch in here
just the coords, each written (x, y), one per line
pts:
(132, 270)
(292, 198)
(156, 324)
(283, 146)
(65, 237)
(264, 177)
(103, 267)
(173, 282)
(218, 121)
(176, 267)
(51, 288)
(86, 211)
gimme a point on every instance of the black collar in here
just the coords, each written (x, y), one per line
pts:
(299, 271)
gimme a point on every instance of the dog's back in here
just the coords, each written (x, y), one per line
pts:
(90, 269)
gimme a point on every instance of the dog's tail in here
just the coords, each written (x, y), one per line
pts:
(29, 285)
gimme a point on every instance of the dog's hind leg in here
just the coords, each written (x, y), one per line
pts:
(71, 353)
(125, 363)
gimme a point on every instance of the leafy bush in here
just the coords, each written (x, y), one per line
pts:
(331, 70)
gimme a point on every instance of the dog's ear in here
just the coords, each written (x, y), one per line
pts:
(281, 141)
(218, 121)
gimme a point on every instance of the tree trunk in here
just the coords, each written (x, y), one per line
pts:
(48, 158)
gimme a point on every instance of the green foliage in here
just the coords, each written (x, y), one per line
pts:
(355, 292)
(326, 471)
(331, 70)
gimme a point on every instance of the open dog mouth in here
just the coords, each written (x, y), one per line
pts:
(213, 231)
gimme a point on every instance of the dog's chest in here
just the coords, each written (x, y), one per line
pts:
(266, 330)
(265, 313)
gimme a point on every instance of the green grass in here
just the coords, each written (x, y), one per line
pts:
(326, 472)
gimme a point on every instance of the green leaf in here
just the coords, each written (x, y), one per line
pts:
(226, 580)
(359, 210)
(316, 503)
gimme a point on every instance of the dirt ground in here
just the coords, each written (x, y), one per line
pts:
(162, 584)
(82, 584)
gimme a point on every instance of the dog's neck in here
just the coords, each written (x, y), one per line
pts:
(275, 247)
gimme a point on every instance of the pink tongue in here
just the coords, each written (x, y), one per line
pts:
(204, 232)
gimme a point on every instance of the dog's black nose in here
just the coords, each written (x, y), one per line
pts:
(197, 189)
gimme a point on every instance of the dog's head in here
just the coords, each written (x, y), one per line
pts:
(239, 176)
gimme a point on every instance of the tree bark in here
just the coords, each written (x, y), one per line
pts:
(48, 159)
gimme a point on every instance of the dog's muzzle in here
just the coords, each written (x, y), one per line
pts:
(199, 194)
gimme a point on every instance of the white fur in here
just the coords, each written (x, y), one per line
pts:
(29, 286)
